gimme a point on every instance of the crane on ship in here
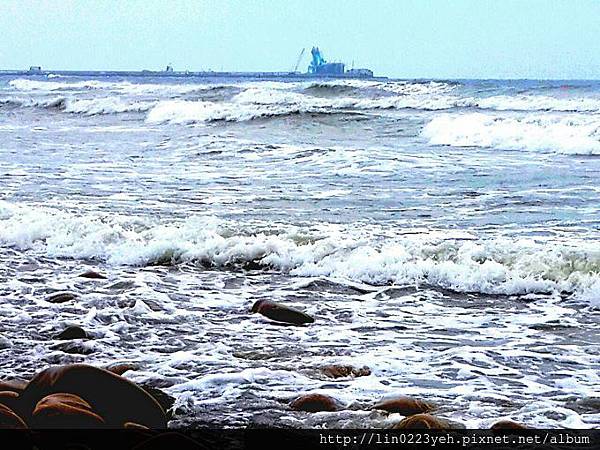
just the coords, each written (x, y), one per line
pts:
(299, 60)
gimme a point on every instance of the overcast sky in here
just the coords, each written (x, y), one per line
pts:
(398, 38)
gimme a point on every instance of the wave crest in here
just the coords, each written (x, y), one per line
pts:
(493, 266)
(563, 134)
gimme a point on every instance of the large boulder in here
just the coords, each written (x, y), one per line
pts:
(112, 397)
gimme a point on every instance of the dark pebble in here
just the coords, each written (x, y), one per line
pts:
(73, 332)
(341, 371)
(281, 313)
(60, 297)
(93, 275)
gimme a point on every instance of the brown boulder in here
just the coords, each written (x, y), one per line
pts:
(314, 403)
(281, 313)
(114, 398)
(65, 411)
(9, 420)
(407, 406)
(341, 371)
(422, 422)
(93, 275)
(507, 425)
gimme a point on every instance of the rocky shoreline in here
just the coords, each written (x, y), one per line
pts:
(303, 407)
(85, 396)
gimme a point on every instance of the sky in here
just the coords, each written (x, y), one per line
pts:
(557, 39)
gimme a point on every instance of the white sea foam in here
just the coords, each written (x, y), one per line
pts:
(24, 84)
(500, 266)
(256, 103)
(535, 103)
(122, 87)
(87, 106)
(106, 105)
(431, 95)
(571, 134)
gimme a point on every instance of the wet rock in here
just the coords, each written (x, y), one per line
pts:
(314, 403)
(507, 425)
(112, 397)
(423, 421)
(73, 332)
(93, 275)
(585, 405)
(122, 285)
(121, 368)
(407, 406)
(5, 343)
(555, 415)
(77, 348)
(61, 297)
(13, 384)
(9, 420)
(341, 371)
(281, 313)
(63, 410)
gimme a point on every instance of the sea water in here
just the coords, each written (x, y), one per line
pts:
(443, 233)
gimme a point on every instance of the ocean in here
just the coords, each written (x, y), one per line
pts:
(445, 234)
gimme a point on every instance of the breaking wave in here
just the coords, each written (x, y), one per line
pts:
(492, 266)
(535, 103)
(205, 102)
(256, 103)
(91, 106)
(572, 134)
(121, 87)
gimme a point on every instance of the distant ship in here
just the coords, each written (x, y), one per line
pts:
(318, 68)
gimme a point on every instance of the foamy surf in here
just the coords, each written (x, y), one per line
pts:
(491, 266)
(570, 135)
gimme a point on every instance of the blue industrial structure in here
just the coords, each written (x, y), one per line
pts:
(319, 66)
